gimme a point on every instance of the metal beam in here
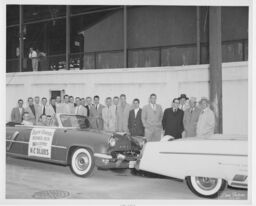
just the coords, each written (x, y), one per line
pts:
(21, 41)
(215, 70)
(125, 37)
(198, 35)
(67, 35)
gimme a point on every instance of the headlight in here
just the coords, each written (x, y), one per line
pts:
(112, 142)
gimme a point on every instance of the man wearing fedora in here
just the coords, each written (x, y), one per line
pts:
(183, 102)
(190, 119)
(206, 121)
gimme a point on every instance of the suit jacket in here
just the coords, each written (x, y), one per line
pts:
(72, 108)
(109, 118)
(38, 109)
(135, 124)
(88, 110)
(51, 111)
(152, 118)
(32, 116)
(96, 117)
(16, 116)
(122, 118)
(48, 110)
(190, 120)
(81, 110)
(173, 122)
(206, 123)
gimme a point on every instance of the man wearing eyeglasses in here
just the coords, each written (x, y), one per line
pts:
(173, 120)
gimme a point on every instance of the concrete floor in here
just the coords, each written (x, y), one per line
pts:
(24, 179)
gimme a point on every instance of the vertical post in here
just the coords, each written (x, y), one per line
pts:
(215, 70)
(125, 36)
(67, 35)
(197, 35)
(21, 41)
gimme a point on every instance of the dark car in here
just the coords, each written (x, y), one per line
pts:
(71, 141)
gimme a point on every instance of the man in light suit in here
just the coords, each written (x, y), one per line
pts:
(44, 107)
(17, 112)
(88, 105)
(96, 114)
(58, 104)
(109, 116)
(206, 121)
(52, 107)
(65, 108)
(38, 107)
(123, 110)
(135, 124)
(30, 109)
(115, 105)
(190, 119)
(80, 109)
(152, 115)
(71, 105)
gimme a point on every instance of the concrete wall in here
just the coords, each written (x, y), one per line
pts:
(166, 82)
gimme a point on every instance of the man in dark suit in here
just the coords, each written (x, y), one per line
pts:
(135, 124)
(17, 112)
(173, 120)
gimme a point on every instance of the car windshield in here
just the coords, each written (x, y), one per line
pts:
(74, 121)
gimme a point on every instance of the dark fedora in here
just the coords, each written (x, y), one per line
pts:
(183, 96)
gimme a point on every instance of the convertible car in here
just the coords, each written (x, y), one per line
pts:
(70, 141)
(207, 164)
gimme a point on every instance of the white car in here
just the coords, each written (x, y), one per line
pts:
(207, 164)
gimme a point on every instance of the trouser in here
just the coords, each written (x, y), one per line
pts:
(35, 64)
(153, 134)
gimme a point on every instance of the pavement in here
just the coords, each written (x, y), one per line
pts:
(26, 179)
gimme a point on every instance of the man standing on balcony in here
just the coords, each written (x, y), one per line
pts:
(152, 119)
(34, 59)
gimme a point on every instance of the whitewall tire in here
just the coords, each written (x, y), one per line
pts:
(82, 162)
(205, 186)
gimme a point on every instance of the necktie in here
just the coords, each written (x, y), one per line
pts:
(44, 111)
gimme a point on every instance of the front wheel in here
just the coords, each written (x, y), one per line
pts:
(82, 162)
(206, 186)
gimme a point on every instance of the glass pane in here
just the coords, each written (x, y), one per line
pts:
(12, 14)
(39, 12)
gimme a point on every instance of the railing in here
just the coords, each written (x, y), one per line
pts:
(138, 57)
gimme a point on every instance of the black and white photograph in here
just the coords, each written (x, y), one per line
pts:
(127, 101)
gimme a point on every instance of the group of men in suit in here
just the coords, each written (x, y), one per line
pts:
(183, 119)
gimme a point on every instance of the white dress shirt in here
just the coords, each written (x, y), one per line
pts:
(136, 111)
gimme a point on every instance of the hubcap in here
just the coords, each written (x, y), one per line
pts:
(82, 161)
(206, 183)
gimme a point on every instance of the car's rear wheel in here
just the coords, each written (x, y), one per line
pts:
(205, 186)
(82, 163)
